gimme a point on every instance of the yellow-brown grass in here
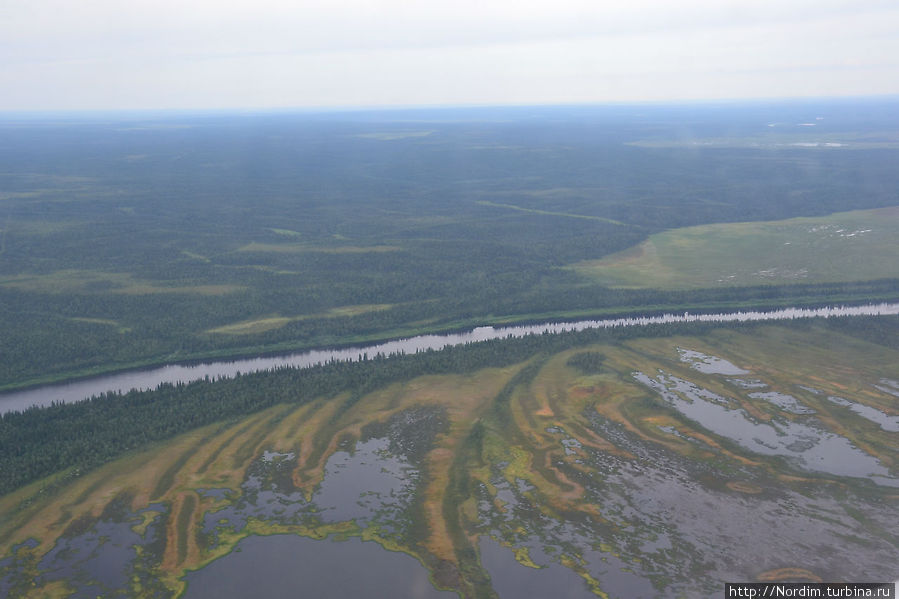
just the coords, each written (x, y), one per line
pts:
(270, 323)
(297, 248)
(217, 456)
(788, 575)
(98, 282)
(743, 487)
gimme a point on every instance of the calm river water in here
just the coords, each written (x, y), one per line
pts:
(174, 373)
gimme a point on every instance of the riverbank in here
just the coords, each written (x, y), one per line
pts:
(183, 373)
(430, 328)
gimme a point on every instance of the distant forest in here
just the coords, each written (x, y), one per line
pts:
(134, 239)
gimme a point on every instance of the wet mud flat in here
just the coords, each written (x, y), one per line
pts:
(267, 531)
(726, 524)
(761, 485)
(107, 556)
(666, 526)
(670, 527)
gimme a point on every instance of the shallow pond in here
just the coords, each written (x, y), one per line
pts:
(293, 567)
(886, 422)
(806, 444)
(708, 364)
(511, 579)
(785, 402)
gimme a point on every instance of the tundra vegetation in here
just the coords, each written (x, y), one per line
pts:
(552, 447)
(657, 461)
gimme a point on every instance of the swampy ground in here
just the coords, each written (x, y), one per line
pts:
(609, 470)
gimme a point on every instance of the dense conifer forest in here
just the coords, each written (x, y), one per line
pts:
(72, 438)
(134, 239)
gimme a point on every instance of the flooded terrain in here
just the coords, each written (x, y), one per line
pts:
(887, 423)
(807, 444)
(656, 467)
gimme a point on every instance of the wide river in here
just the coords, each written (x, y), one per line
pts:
(173, 373)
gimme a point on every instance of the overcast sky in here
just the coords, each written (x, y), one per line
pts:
(102, 54)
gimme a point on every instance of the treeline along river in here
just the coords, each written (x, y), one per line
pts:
(183, 373)
(62, 435)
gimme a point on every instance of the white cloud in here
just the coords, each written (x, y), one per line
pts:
(170, 53)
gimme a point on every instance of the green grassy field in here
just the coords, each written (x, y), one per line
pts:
(845, 246)
(248, 327)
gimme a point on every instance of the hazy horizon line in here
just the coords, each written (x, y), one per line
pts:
(361, 108)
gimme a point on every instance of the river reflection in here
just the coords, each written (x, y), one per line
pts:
(175, 373)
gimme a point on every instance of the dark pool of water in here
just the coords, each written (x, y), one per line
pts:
(296, 567)
(512, 580)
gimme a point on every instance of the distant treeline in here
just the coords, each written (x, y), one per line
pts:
(128, 242)
(48, 337)
(79, 436)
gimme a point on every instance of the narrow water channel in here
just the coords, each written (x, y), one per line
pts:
(174, 373)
